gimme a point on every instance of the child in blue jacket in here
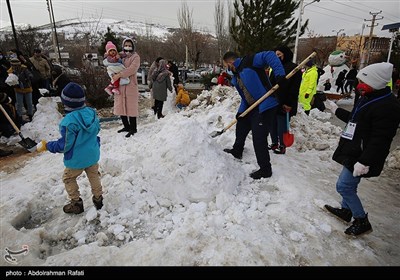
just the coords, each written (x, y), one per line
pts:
(80, 145)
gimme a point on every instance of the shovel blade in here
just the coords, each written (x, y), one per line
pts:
(216, 133)
(28, 144)
(288, 139)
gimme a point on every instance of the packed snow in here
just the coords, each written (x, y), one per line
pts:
(173, 197)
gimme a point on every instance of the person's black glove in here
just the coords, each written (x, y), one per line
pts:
(237, 116)
(281, 81)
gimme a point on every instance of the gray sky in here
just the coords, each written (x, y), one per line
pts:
(325, 16)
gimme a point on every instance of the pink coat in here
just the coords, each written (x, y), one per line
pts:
(127, 103)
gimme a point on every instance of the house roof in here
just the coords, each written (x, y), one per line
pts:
(394, 26)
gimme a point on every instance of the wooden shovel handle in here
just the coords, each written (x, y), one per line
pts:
(272, 90)
(9, 119)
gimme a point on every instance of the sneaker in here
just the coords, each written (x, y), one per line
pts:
(74, 207)
(273, 146)
(115, 91)
(109, 91)
(261, 173)
(359, 226)
(160, 116)
(343, 214)
(234, 153)
(98, 202)
(281, 150)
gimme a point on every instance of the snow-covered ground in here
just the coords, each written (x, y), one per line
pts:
(173, 197)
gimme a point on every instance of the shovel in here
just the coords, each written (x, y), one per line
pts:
(272, 90)
(27, 143)
(288, 138)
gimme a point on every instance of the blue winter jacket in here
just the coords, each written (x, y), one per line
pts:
(252, 82)
(79, 141)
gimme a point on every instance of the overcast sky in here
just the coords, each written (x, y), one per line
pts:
(327, 17)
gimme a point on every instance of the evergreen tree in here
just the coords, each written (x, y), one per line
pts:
(259, 25)
(109, 36)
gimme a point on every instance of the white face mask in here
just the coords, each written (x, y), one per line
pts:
(128, 49)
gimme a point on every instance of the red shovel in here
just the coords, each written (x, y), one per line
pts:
(288, 138)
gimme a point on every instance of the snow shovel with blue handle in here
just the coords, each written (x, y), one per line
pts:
(27, 143)
(271, 91)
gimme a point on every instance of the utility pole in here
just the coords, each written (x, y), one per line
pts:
(52, 31)
(55, 30)
(12, 25)
(370, 37)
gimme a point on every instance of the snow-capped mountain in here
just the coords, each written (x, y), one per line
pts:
(95, 25)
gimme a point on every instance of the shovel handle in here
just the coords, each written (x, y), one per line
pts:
(9, 119)
(287, 122)
(275, 87)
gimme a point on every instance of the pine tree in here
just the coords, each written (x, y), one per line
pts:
(109, 36)
(259, 25)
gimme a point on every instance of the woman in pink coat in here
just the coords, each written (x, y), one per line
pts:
(126, 104)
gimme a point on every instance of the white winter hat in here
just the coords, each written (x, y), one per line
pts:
(376, 75)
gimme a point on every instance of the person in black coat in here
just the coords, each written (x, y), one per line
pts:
(365, 141)
(340, 81)
(60, 80)
(175, 73)
(288, 97)
(350, 80)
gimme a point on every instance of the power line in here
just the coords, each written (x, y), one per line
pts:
(395, 17)
(353, 16)
(310, 10)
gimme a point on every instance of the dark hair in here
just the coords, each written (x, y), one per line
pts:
(158, 59)
(230, 55)
(37, 50)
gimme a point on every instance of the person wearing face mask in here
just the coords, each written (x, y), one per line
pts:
(365, 141)
(126, 104)
(251, 82)
(288, 100)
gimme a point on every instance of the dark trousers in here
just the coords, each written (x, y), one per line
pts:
(158, 106)
(259, 125)
(129, 123)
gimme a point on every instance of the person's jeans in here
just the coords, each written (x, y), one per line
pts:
(278, 129)
(346, 186)
(20, 103)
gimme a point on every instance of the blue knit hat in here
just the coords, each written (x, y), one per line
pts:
(73, 97)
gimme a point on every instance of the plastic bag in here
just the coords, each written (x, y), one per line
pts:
(12, 80)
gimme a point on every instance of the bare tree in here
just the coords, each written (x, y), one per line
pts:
(185, 19)
(90, 29)
(323, 46)
(220, 30)
(30, 38)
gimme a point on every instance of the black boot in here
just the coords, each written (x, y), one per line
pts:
(4, 153)
(359, 226)
(98, 202)
(132, 127)
(125, 122)
(261, 173)
(234, 153)
(343, 214)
